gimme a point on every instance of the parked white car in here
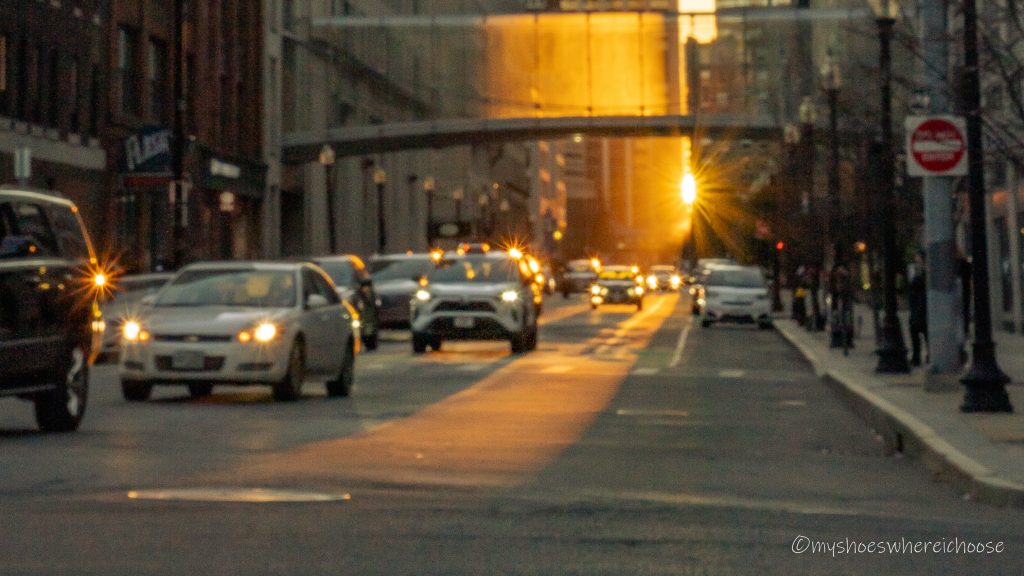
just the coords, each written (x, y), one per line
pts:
(244, 324)
(487, 296)
(735, 294)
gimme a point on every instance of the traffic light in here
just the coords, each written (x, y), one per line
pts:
(780, 245)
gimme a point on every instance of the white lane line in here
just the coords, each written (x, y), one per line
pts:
(646, 371)
(680, 345)
(732, 373)
(651, 412)
(472, 367)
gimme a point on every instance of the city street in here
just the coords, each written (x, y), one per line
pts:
(627, 443)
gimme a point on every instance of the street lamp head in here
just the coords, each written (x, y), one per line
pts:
(504, 206)
(458, 193)
(830, 73)
(428, 184)
(689, 189)
(884, 9)
(380, 176)
(327, 155)
(808, 112)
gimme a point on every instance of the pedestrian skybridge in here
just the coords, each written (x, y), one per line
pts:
(462, 79)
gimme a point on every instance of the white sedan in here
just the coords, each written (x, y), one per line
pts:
(240, 323)
(735, 294)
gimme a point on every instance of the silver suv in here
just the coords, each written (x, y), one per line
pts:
(489, 296)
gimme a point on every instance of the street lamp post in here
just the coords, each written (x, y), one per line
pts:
(985, 383)
(892, 355)
(429, 186)
(380, 178)
(830, 73)
(457, 196)
(327, 158)
(808, 116)
(484, 202)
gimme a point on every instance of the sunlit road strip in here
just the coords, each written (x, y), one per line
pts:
(499, 432)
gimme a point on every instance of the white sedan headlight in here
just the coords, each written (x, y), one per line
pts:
(263, 333)
(422, 295)
(595, 289)
(509, 296)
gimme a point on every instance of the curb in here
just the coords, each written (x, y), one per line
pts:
(904, 433)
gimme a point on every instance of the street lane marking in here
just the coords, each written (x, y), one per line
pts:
(681, 344)
(646, 371)
(797, 403)
(472, 367)
(245, 495)
(732, 373)
(651, 412)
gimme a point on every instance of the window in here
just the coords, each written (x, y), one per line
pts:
(21, 88)
(30, 221)
(74, 96)
(127, 48)
(70, 235)
(94, 100)
(39, 66)
(53, 89)
(3, 69)
(156, 77)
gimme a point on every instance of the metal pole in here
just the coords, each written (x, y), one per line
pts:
(985, 382)
(892, 356)
(178, 141)
(835, 219)
(944, 337)
(331, 228)
(430, 217)
(382, 237)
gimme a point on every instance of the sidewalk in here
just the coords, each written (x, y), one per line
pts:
(981, 455)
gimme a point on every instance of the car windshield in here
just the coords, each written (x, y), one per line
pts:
(737, 277)
(340, 271)
(662, 269)
(246, 288)
(398, 268)
(476, 270)
(580, 266)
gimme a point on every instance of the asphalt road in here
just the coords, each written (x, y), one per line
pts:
(629, 443)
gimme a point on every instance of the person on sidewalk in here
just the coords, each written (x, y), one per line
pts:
(917, 295)
(799, 298)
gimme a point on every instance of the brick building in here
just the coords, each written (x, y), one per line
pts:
(223, 161)
(51, 97)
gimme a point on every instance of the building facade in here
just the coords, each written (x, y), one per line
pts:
(52, 100)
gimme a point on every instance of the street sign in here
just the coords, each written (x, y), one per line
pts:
(936, 146)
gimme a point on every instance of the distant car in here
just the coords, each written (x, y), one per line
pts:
(577, 277)
(477, 297)
(243, 324)
(355, 286)
(696, 282)
(665, 277)
(618, 285)
(735, 294)
(396, 280)
(51, 325)
(125, 301)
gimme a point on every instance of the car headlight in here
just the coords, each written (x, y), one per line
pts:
(595, 289)
(422, 295)
(652, 281)
(132, 332)
(263, 333)
(639, 291)
(675, 281)
(509, 296)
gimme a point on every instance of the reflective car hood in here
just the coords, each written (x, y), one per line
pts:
(470, 289)
(736, 290)
(207, 319)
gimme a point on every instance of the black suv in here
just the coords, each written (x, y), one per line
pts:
(50, 321)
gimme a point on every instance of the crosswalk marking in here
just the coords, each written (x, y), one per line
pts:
(646, 371)
(732, 373)
(651, 412)
(556, 369)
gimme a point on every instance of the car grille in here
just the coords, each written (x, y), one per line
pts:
(190, 338)
(210, 364)
(449, 306)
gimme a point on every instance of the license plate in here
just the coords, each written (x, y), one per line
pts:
(188, 360)
(464, 322)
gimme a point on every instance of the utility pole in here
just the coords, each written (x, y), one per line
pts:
(177, 195)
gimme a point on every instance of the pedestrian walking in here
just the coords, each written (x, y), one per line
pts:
(799, 307)
(917, 294)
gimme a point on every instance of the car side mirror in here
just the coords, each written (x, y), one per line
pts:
(16, 247)
(316, 301)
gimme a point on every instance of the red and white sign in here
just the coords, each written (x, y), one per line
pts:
(936, 146)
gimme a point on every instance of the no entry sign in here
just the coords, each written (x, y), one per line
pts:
(936, 146)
